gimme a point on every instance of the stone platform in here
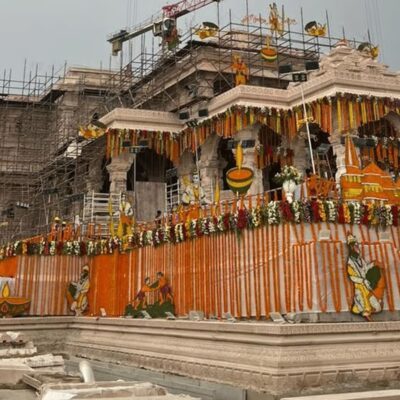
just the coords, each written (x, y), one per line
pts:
(275, 359)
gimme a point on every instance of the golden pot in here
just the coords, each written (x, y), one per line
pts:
(239, 180)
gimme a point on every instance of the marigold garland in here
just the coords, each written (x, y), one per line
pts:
(272, 213)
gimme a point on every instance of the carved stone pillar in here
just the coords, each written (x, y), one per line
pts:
(249, 157)
(339, 151)
(118, 170)
(211, 168)
(185, 168)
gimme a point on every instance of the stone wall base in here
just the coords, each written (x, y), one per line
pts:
(269, 358)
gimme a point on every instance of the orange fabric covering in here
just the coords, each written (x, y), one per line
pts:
(216, 273)
(350, 182)
(351, 157)
(8, 267)
(109, 283)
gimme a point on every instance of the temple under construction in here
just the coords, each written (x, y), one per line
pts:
(49, 170)
(246, 172)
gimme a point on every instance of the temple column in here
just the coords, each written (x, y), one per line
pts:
(185, 169)
(118, 170)
(339, 151)
(249, 157)
(210, 166)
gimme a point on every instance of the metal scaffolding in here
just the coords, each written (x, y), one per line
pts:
(46, 168)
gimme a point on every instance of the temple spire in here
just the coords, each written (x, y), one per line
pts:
(351, 157)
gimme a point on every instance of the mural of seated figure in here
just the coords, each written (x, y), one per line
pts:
(193, 192)
(77, 293)
(368, 279)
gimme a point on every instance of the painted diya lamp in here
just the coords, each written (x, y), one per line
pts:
(12, 306)
(239, 179)
(269, 54)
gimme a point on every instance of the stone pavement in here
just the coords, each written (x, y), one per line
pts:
(7, 394)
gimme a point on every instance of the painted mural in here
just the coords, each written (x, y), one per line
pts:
(153, 297)
(368, 279)
(77, 293)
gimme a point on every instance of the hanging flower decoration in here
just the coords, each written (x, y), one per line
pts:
(289, 173)
(272, 213)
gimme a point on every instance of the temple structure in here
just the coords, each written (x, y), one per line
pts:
(154, 223)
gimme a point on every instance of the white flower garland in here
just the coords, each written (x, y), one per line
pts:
(273, 215)
(179, 233)
(220, 223)
(296, 211)
(255, 216)
(332, 211)
(388, 215)
(148, 238)
(357, 213)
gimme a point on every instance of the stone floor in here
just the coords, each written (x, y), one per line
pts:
(6, 394)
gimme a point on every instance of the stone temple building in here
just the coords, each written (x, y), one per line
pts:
(119, 198)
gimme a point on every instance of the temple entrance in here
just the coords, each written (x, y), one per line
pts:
(378, 142)
(271, 156)
(150, 167)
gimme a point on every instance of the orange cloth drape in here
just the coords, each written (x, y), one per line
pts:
(8, 267)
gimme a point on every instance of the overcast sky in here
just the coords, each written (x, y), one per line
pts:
(48, 32)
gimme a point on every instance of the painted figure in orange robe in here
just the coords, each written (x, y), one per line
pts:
(241, 71)
(165, 290)
(140, 300)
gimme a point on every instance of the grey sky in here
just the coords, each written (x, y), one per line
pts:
(53, 31)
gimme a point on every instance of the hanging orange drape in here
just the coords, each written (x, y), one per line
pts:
(8, 267)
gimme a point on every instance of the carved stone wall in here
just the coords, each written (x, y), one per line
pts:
(271, 358)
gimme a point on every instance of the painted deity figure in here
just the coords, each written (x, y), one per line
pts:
(274, 19)
(194, 193)
(163, 286)
(368, 279)
(125, 217)
(77, 292)
(241, 71)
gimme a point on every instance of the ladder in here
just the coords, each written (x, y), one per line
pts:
(96, 209)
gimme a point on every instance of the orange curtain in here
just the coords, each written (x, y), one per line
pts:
(8, 267)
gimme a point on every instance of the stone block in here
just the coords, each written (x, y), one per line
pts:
(17, 337)
(11, 374)
(196, 315)
(44, 360)
(324, 234)
(108, 390)
(5, 338)
(329, 377)
(312, 379)
(18, 351)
